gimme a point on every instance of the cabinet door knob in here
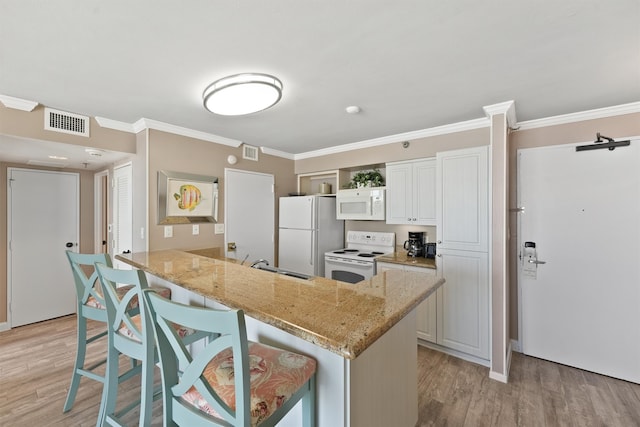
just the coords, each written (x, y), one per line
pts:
(414, 219)
(439, 241)
(439, 255)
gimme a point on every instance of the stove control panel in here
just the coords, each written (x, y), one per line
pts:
(371, 238)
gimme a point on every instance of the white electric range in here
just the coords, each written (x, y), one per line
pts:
(356, 262)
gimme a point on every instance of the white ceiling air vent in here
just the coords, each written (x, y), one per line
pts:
(61, 121)
(249, 152)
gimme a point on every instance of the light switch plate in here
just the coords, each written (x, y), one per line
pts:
(219, 229)
(168, 231)
(195, 229)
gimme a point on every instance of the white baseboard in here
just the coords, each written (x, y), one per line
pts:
(503, 377)
(4, 326)
(515, 345)
(458, 354)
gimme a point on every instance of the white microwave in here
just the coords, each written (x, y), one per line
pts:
(365, 203)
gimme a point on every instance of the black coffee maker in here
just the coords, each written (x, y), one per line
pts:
(415, 244)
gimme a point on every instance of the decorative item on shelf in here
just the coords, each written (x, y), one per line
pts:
(371, 178)
(325, 188)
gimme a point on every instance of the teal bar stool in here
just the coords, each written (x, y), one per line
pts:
(90, 305)
(231, 381)
(130, 334)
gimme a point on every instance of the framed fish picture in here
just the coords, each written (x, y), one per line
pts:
(186, 198)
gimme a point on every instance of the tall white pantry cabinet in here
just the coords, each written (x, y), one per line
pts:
(462, 197)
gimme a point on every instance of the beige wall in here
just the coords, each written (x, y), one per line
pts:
(499, 207)
(182, 154)
(585, 131)
(31, 125)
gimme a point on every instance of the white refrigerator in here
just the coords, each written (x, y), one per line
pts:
(308, 229)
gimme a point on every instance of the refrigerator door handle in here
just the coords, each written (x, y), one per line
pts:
(312, 252)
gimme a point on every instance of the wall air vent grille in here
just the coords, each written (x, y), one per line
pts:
(61, 121)
(249, 152)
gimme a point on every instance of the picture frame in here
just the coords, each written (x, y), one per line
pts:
(185, 198)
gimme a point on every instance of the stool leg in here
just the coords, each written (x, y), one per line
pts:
(81, 351)
(146, 392)
(309, 404)
(110, 388)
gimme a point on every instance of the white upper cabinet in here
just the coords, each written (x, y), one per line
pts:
(411, 192)
(462, 195)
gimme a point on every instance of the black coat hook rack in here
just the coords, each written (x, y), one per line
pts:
(603, 142)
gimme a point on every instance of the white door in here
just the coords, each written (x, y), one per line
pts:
(101, 208)
(43, 222)
(582, 210)
(122, 212)
(249, 214)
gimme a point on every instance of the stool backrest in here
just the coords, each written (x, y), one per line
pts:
(81, 266)
(137, 339)
(230, 325)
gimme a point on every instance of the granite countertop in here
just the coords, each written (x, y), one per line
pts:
(341, 317)
(400, 257)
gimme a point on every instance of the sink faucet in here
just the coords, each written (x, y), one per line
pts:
(260, 261)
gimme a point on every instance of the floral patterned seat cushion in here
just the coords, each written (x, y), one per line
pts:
(92, 302)
(275, 375)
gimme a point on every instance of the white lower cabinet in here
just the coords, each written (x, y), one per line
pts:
(426, 312)
(463, 302)
(457, 315)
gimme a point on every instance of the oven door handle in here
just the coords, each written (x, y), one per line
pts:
(346, 261)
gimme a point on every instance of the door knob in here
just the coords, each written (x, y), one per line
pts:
(69, 244)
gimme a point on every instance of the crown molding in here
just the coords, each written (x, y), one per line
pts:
(599, 113)
(179, 130)
(143, 124)
(277, 153)
(18, 103)
(115, 124)
(508, 108)
(424, 133)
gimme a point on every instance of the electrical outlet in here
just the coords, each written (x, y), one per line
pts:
(168, 231)
(219, 229)
(195, 229)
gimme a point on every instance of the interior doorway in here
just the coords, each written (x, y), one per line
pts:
(101, 210)
(42, 223)
(122, 230)
(249, 215)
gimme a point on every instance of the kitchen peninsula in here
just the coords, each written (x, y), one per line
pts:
(362, 335)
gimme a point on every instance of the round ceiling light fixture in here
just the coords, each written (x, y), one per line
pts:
(242, 94)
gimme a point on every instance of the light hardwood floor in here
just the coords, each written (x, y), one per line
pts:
(36, 362)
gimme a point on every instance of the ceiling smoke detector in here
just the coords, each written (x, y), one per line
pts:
(93, 152)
